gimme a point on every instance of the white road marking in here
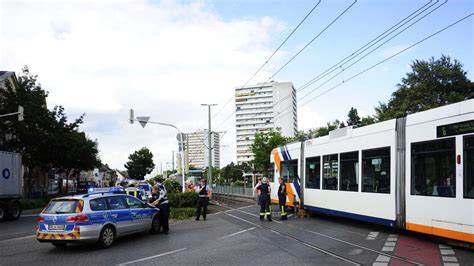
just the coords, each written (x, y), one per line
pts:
(390, 244)
(391, 249)
(450, 259)
(394, 239)
(446, 251)
(382, 258)
(29, 215)
(372, 235)
(152, 257)
(380, 264)
(236, 233)
(18, 238)
(450, 264)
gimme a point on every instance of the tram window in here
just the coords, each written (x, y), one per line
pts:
(330, 171)
(349, 171)
(469, 166)
(289, 171)
(271, 172)
(433, 168)
(313, 172)
(376, 170)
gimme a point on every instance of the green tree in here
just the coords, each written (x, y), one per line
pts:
(353, 118)
(45, 138)
(262, 146)
(140, 163)
(430, 84)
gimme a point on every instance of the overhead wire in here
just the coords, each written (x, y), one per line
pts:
(368, 45)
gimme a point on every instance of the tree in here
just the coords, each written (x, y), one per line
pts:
(140, 163)
(353, 118)
(233, 172)
(262, 146)
(430, 84)
(45, 138)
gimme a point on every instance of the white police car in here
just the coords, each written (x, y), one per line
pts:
(98, 217)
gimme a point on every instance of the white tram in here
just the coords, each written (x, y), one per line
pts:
(414, 172)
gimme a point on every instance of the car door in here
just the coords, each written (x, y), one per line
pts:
(139, 212)
(120, 213)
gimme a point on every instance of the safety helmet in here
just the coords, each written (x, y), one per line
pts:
(264, 180)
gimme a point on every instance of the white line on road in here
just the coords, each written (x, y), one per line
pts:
(152, 257)
(29, 215)
(236, 233)
(18, 238)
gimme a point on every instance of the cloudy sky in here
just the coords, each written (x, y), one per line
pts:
(165, 58)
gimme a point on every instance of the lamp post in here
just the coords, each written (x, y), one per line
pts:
(143, 120)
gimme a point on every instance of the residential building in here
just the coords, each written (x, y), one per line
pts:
(196, 149)
(262, 107)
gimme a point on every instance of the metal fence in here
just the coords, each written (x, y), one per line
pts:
(234, 190)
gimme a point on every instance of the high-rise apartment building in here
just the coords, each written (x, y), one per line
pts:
(261, 107)
(195, 145)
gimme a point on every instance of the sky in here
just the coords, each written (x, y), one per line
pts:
(165, 58)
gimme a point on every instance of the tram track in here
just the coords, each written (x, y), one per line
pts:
(312, 246)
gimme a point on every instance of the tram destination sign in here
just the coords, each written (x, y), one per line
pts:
(455, 129)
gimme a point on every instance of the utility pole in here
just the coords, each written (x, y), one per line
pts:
(209, 143)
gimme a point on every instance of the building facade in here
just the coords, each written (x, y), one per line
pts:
(196, 149)
(262, 107)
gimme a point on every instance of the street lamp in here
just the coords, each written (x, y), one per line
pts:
(143, 120)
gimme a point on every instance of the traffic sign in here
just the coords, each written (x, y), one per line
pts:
(143, 120)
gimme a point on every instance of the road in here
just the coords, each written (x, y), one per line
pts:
(233, 234)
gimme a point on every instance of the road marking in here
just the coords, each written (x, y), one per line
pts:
(152, 257)
(18, 238)
(236, 233)
(372, 235)
(29, 215)
(448, 260)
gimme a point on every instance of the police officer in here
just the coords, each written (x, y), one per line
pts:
(265, 200)
(282, 199)
(159, 198)
(204, 193)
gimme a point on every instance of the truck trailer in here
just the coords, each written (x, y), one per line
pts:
(11, 181)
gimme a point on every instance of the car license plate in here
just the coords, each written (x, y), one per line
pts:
(56, 227)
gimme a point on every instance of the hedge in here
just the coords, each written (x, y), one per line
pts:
(183, 200)
(182, 213)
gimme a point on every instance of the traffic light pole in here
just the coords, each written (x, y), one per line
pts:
(209, 145)
(145, 120)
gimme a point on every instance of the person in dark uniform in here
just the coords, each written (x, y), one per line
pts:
(159, 198)
(265, 200)
(204, 193)
(282, 199)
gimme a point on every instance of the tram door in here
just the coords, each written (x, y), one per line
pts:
(289, 173)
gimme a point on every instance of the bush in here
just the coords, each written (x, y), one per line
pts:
(238, 183)
(182, 213)
(182, 200)
(172, 185)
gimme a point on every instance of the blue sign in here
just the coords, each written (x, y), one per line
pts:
(6, 173)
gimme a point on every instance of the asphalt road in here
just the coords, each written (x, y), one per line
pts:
(234, 235)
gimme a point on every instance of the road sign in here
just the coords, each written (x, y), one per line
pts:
(143, 120)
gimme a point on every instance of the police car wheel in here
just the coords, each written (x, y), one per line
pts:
(107, 237)
(155, 225)
(59, 245)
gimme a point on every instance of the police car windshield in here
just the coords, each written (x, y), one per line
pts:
(145, 187)
(61, 206)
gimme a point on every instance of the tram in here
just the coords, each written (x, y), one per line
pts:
(414, 172)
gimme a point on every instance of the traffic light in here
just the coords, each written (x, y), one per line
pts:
(20, 113)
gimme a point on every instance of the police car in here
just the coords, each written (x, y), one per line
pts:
(97, 217)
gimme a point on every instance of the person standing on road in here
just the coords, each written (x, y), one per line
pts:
(282, 199)
(204, 194)
(265, 200)
(160, 200)
(258, 191)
